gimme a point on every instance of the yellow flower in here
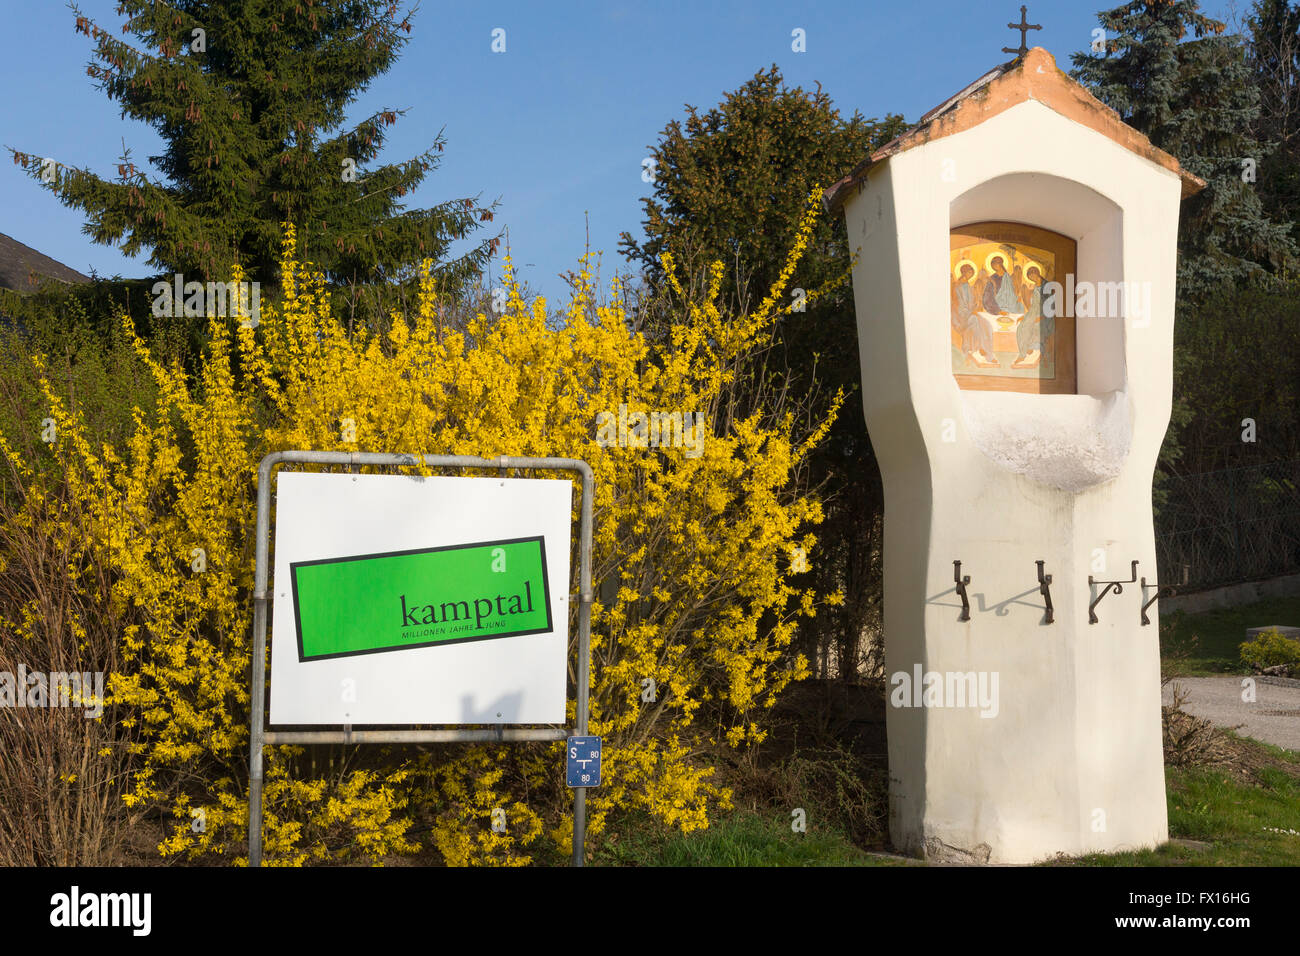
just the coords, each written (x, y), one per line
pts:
(698, 547)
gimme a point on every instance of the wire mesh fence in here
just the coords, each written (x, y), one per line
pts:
(1225, 527)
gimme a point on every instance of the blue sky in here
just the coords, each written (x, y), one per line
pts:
(555, 127)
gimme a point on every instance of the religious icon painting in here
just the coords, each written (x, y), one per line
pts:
(1008, 333)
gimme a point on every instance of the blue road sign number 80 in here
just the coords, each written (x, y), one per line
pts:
(582, 762)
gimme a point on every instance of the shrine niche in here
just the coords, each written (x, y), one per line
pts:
(1005, 331)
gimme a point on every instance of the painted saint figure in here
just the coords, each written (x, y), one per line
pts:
(1034, 327)
(999, 293)
(974, 335)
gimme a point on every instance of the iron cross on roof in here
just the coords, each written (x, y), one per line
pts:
(1023, 26)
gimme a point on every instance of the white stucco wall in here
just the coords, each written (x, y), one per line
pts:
(1072, 761)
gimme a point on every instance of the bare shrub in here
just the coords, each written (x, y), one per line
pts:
(61, 771)
(1190, 741)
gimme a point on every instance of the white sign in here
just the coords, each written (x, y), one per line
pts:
(408, 600)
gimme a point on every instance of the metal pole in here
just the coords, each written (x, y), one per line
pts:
(257, 688)
(584, 653)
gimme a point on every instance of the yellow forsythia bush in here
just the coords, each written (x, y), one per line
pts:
(692, 554)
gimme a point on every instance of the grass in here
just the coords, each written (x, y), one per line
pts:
(1234, 809)
(742, 838)
(1235, 812)
(1219, 634)
(1232, 814)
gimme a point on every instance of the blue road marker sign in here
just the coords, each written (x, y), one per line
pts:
(582, 766)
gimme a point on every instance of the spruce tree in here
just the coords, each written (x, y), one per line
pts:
(249, 97)
(1175, 75)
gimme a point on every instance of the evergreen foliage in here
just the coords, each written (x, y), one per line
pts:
(730, 183)
(1275, 62)
(1175, 75)
(250, 99)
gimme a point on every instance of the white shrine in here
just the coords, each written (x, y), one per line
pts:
(1014, 288)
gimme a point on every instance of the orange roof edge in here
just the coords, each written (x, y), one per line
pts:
(1035, 77)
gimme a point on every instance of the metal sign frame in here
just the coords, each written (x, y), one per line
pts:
(261, 737)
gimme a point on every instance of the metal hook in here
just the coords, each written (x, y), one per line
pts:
(961, 583)
(1045, 589)
(1117, 585)
(1168, 592)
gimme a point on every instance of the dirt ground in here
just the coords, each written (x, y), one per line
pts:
(1273, 716)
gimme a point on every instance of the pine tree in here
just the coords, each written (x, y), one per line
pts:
(250, 98)
(1175, 75)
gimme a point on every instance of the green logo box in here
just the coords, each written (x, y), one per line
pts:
(398, 600)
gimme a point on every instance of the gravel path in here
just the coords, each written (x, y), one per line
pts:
(1273, 717)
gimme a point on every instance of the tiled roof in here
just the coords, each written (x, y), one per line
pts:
(1035, 77)
(20, 263)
